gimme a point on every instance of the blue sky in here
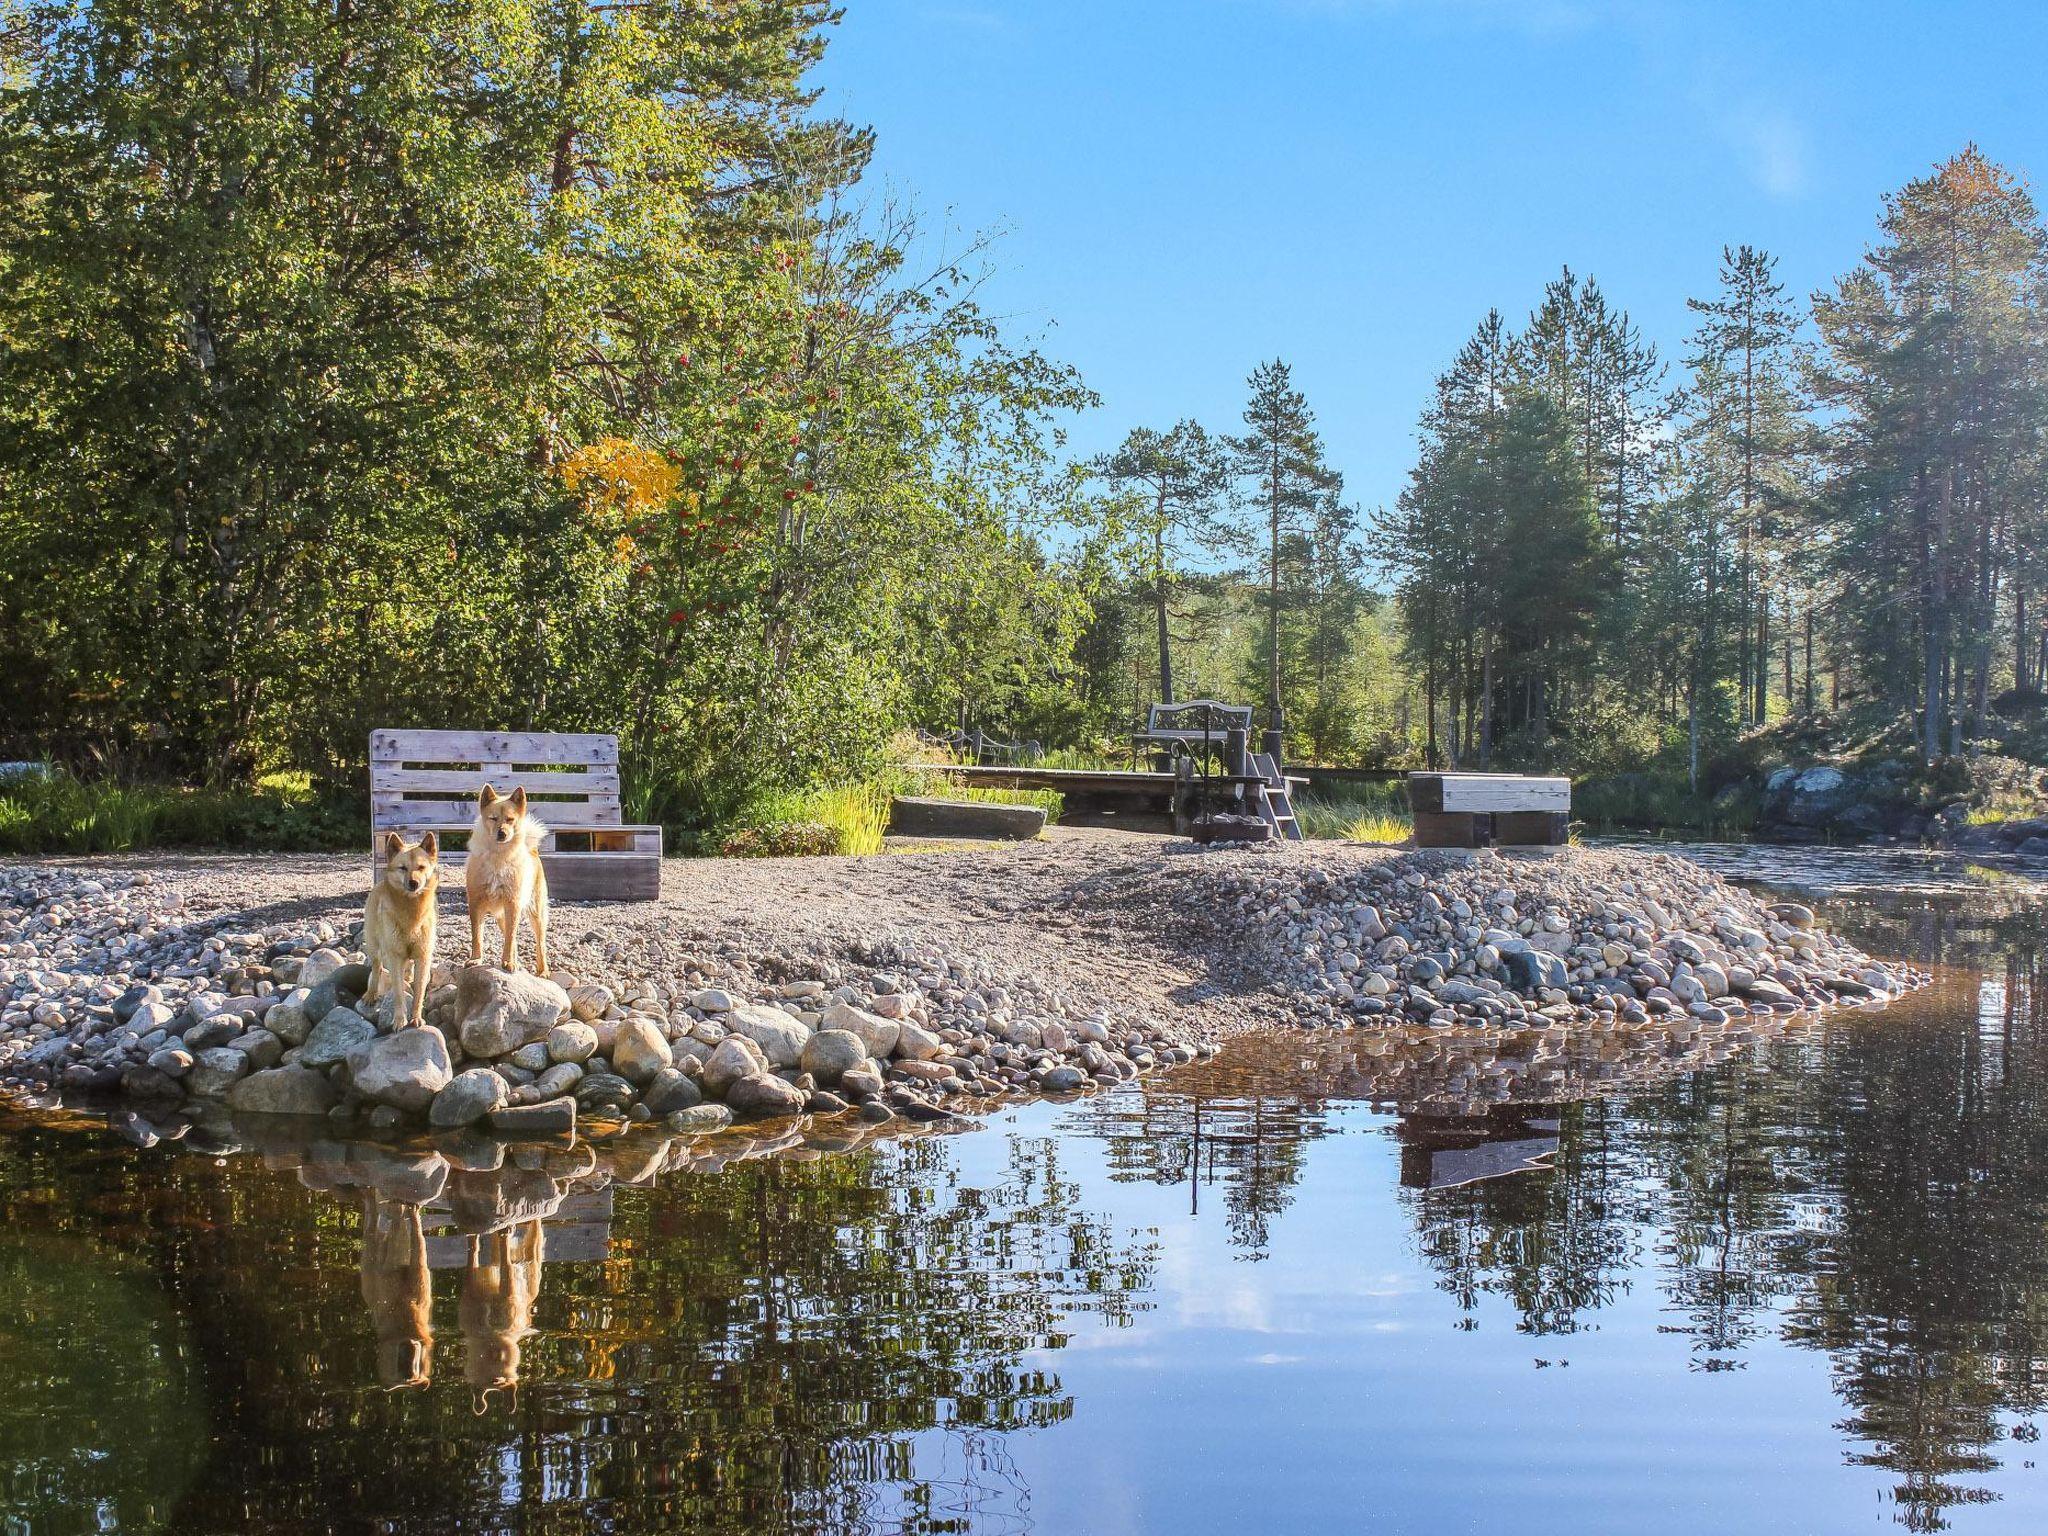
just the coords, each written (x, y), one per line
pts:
(1184, 189)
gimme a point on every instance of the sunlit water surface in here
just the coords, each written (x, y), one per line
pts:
(1789, 1282)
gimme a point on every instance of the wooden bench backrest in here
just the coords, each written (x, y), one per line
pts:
(1218, 717)
(421, 779)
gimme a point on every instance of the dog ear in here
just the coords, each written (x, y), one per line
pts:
(519, 799)
(394, 845)
(487, 796)
(430, 844)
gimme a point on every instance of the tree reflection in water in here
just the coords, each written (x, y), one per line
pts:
(791, 1343)
(1872, 1185)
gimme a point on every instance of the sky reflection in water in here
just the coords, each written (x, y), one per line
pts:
(1794, 1281)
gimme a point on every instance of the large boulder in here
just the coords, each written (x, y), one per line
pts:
(731, 1059)
(763, 1095)
(282, 1091)
(877, 1035)
(780, 1037)
(214, 1071)
(699, 1119)
(497, 1012)
(340, 1031)
(468, 1097)
(830, 1053)
(670, 1090)
(404, 1070)
(574, 1041)
(640, 1050)
(320, 965)
(1529, 969)
(916, 1043)
(288, 1020)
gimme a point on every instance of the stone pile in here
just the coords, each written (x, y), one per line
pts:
(105, 986)
(1489, 941)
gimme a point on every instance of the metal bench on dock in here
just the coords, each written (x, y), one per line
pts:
(1477, 810)
(427, 781)
(1191, 723)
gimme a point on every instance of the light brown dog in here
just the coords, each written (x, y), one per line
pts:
(399, 921)
(504, 878)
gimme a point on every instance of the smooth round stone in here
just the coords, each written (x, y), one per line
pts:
(575, 1041)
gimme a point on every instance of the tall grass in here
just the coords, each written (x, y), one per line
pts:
(852, 816)
(1375, 814)
(57, 813)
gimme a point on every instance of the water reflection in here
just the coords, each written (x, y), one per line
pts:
(252, 1329)
(771, 1345)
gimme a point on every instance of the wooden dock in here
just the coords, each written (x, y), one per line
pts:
(1101, 797)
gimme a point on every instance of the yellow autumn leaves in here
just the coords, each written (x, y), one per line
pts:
(617, 477)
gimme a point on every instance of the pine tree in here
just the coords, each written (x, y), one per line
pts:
(1179, 510)
(1746, 334)
(1934, 372)
(1281, 455)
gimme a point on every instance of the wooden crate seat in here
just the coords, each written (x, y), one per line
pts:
(1475, 810)
(427, 781)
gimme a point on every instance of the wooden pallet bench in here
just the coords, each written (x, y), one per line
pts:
(1478, 810)
(423, 781)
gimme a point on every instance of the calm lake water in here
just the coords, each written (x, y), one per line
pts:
(1782, 1283)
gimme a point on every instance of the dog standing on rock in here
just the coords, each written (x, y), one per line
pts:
(399, 922)
(504, 878)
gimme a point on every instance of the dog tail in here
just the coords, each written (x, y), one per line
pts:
(536, 832)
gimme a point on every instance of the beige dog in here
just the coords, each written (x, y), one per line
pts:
(504, 877)
(398, 923)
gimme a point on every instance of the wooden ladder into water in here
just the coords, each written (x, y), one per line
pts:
(1276, 803)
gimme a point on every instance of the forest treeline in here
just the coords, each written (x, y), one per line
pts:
(543, 364)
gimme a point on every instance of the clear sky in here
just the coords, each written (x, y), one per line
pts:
(1186, 188)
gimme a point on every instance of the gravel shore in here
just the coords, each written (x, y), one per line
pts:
(909, 985)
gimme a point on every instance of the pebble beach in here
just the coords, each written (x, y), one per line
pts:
(918, 989)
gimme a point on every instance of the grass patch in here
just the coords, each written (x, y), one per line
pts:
(853, 818)
(1375, 814)
(56, 813)
(832, 818)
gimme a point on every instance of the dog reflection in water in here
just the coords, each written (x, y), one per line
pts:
(399, 1291)
(499, 1285)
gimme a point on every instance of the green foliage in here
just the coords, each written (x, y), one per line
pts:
(1661, 801)
(496, 364)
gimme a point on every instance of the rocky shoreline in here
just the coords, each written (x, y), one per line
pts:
(110, 993)
(112, 986)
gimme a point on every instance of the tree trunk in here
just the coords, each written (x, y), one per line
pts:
(1159, 605)
(1763, 653)
(2020, 659)
(1809, 657)
(1486, 706)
